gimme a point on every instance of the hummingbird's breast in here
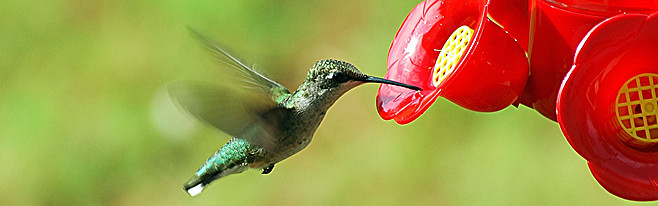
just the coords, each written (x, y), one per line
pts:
(308, 106)
(297, 133)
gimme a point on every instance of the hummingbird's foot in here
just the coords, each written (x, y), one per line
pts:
(268, 169)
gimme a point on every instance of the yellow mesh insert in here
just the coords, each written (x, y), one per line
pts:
(637, 108)
(451, 53)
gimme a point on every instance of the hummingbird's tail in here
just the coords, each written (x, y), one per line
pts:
(195, 185)
(233, 158)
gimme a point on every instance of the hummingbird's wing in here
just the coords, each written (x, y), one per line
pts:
(244, 106)
(249, 116)
(251, 79)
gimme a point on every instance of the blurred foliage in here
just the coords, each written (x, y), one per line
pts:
(84, 121)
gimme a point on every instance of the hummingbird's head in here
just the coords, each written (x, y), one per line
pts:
(333, 74)
(329, 79)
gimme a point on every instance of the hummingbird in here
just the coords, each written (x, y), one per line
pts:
(268, 122)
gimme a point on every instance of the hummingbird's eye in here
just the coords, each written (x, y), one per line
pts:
(339, 77)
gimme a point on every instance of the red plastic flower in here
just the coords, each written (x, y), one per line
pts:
(452, 49)
(608, 104)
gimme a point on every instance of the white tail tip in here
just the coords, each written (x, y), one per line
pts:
(196, 190)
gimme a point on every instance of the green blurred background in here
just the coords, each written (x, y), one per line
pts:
(84, 119)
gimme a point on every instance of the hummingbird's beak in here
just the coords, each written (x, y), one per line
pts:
(386, 81)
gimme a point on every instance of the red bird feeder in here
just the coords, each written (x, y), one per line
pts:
(593, 68)
(452, 49)
(608, 105)
(556, 29)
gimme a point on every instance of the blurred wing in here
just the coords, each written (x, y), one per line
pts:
(250, 116)
(250, 78)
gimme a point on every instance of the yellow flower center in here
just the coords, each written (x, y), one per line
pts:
(637, 109)
(451, 53)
